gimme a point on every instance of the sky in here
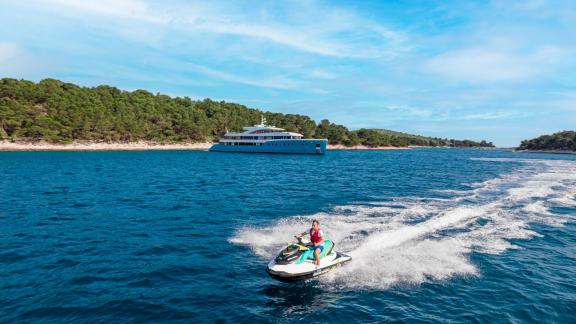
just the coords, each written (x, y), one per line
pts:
(503, 71)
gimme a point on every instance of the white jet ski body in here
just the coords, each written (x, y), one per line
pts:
(296, 262)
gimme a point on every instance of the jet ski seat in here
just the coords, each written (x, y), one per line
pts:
(309, 254)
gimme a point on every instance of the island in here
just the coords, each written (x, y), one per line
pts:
(561, 142)
(56, 115)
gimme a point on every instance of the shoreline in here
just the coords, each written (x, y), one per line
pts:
(7, 146)
(545, 151)
(102, 146)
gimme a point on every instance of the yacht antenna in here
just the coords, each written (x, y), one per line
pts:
(262, 120)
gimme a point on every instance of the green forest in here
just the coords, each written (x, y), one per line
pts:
(60, 112)
(561, 141)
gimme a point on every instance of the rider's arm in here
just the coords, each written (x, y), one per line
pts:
(302, 234)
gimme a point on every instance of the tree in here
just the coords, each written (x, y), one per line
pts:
(56, 111)
(562, 141)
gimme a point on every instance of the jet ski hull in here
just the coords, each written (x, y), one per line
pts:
(303, 272)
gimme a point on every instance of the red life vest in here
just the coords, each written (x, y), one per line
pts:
(314, 236)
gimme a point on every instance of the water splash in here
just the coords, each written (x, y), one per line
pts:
(416, 239)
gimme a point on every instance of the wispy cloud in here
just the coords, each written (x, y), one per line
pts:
(15, 62)
(339, 32)
(124, 9)
(477, 64)
(308, 39)
(411, 111)
(492, 115)
(7, 51)
(274, 82)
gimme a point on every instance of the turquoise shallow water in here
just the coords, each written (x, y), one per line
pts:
(435, 234)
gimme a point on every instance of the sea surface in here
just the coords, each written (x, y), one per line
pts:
(435, 235)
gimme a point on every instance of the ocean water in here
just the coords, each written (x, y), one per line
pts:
(435, 235)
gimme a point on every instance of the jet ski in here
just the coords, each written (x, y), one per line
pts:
(296, 261)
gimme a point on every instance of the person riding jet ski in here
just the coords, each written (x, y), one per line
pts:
(305, 260)
(317, 240)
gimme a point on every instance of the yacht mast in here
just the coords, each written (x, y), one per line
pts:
(262, 121)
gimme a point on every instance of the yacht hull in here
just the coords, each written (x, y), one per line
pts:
(301, 146)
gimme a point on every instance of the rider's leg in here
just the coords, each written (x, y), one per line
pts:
(317, 256)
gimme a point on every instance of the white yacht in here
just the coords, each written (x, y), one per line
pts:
(263, 138)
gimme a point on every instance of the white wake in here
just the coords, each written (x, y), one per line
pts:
(417, 239)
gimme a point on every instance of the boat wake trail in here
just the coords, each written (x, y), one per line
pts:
(418, 239)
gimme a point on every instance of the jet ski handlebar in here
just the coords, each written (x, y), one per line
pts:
(301, 240)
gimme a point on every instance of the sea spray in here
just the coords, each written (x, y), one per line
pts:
(417, 239)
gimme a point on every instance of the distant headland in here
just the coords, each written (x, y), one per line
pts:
(55, 115)
(561, 142)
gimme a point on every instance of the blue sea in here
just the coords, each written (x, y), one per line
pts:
(435, 235)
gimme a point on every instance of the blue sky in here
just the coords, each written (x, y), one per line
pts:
(497, 70)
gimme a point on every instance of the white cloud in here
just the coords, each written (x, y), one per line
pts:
(131, 9)
(321, 74)
(274, 82)
(479, 64)
(289, 38)
(14, 62)
(395, 110)
(416, 112)
(336, 32)
(487, 115)
(7, 52)
(322, 39)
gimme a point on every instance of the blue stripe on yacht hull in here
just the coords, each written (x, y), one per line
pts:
(307, 146)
